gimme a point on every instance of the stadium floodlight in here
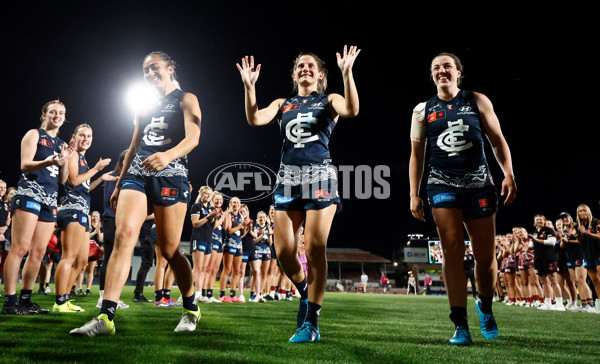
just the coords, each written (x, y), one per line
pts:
(140, 96)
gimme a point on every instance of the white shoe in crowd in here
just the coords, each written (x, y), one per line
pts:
(536, 303)
(587, 309)
(546, 306)
(558, 306)
(242, 298)
(122, 304)
(214, 300)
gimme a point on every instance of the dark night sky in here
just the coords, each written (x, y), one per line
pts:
(528, 65)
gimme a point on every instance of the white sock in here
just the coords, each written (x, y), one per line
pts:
(101, 294)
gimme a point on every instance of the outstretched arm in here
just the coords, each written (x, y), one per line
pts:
(254, 115)
(348, 105)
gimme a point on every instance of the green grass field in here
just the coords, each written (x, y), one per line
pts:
(355, 328)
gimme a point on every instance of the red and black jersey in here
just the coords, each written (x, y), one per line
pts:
(544, 253)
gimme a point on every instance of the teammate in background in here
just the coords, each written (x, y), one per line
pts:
(147, 255)
(544, 239)
(108, 224)
(469, 266)
(154, 174)
(460, 187)
(97, 236)
(216, 255)
(232, 251)
(297, 202)
(72, 218)
(588, 234)
(44, 159)
(203, 217)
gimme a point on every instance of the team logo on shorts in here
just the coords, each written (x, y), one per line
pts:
(483, 203)
(168, 192)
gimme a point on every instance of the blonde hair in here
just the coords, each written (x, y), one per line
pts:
(201, 192)
(244, 206)
(215, 194)
(589, 214)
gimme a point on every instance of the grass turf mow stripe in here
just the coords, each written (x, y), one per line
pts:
(355, 328)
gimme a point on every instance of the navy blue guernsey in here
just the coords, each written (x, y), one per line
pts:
(259, 230)
(456, 147)
(78, 197)
(235, 221)
(42, 185)
(163, 128)
(306, 126)
(204, 232)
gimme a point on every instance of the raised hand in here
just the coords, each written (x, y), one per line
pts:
(63, 157)
(248, 72)
(346, 60)
(102, 163)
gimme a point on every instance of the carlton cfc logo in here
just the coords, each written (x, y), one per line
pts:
(450, 140)
(298, 130)
(154, 132)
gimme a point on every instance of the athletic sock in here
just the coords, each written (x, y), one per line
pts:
(232, 293)
(203, 293)
(221, 294)
(61, 299)
(458, 315)
(109, 308)
(486, 304)
(25, 296)
(167, 294)
(209, 293)
(158, 295)
(312, 313)
(188, 303)
(302, 288)
(10, 300)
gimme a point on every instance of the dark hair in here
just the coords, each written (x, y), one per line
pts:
(170, 62)
(119, 164)
(457, 63)
(322, 84)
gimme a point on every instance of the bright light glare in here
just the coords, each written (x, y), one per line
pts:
(140, 96)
